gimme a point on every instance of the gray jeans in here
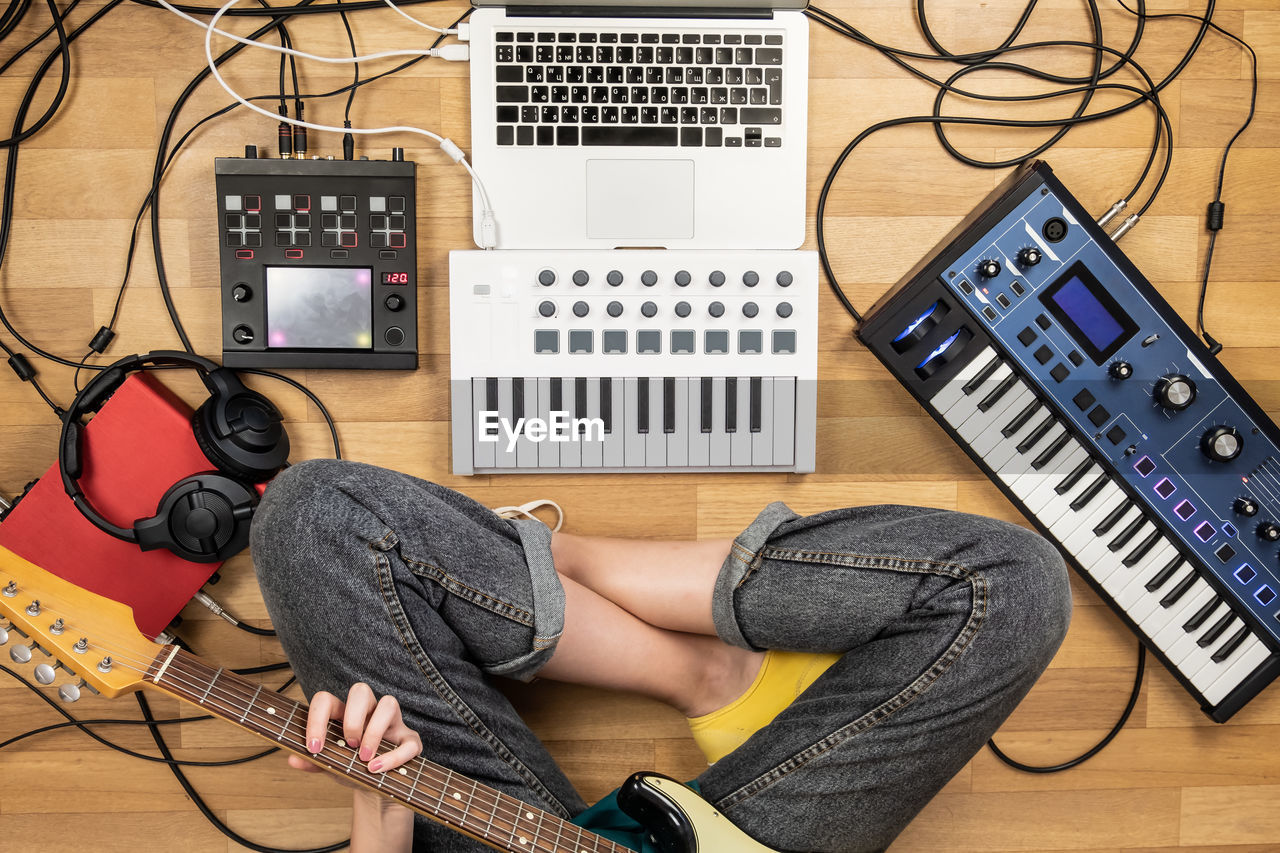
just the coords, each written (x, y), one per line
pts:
(945, 621)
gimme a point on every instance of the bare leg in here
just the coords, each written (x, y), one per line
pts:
(667, 584)
(603, 645)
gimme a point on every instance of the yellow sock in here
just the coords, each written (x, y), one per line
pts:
(783, 676)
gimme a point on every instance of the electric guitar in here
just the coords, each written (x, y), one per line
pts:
(95, 640)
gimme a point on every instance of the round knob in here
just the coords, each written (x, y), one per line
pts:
(394, 336)
(1269, 531)
(242, 335)
(716, 278)
(614, 278)
(1247, 507)
(750, 309)
(1029, 257)
(581, 277)
(547, 308)
(784, 279)
(716, 309)
(1222, 443)
(648, 278)
(1120, 370)
(649, 309)
(44, 674)
(614, 309)
(581, 309)
(989, 268)
(683, 278)
(784, 309)
(683, 309)
(394, 302)
(546, 278)
(241, 292)
(69, 692)
(751, 278)
(20, 654)
(1175, 392)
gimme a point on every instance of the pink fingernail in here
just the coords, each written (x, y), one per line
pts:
(366, 753)
(353, 743)
(376, 766)
(314, 744)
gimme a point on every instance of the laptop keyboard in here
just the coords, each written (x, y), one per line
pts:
(689, 90)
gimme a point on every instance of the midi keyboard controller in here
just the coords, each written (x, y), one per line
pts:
(1044, 352)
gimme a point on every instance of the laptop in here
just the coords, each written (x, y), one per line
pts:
(604, 125)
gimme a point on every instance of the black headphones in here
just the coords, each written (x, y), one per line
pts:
(203, 518)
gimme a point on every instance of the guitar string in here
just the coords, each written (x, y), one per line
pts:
(509, 812)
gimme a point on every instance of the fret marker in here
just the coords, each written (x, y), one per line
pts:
(457, 796)
(271, 711)
(402, 771)
(528, 815)
(524, 840)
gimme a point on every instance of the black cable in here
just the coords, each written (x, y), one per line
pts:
(64, 82)
(1099, 746)
(158, 736)
(351, 40)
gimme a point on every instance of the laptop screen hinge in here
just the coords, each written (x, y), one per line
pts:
(637, 12)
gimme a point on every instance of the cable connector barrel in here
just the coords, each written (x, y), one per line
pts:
(215, 608)
(1111, 214)
(1125, 227)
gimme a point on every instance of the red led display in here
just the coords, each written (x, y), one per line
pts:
(395, 278)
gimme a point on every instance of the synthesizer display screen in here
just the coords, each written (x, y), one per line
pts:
(319, 307)
(1089, 313)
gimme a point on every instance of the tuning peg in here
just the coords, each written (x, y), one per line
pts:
(22, 654)
(10, 590)
(81, 646)
(4, 632)
(44, 674)
(57, 627)
(71, 692)
(33, 609)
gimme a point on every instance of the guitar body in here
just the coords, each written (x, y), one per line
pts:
(679, 820)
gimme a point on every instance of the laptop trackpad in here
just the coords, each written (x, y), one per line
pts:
(640, 199)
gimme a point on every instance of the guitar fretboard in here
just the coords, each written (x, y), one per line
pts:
(461, 803)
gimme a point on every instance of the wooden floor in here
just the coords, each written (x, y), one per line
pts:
(1171, 780)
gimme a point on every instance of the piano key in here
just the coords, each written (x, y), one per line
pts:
(1076, 473)
(1051, 452)
(1200, 667)
(517, 401)
(762, 441)
(548, 450)
(593, 433)
(655, 454)
(1224, 651)
(976, 381)
(731, 404)
(1198, 617)
(570, 446)
(720, 447)
(1135, 528)
(557, 394)
(526, 397)
(1103, 527)
(983, 443)
(1128, 588)
(998, 393)
(1072, 527)
(606, 403)
(635, 441)
(1036, 435)
(1179, 589)
(678, 438)
(642, 405)
(1040, 481)
(699, 439)
(1247, 658)
(983, 423)
(953, 390)
(1096, 552)
(1142, 548)
(579, 398)
(704, 403)
(1185, 646)
(1006, 447)
(668, 404)
(1171, 629)
(967, 406)
(484, 401)
(504, 457)
(1215, 630)
(1020, 463)
(784, 419)
(1090, 492)
(1046, 490)
(615, 442)
(1021, 419)
(740, 443)
(756, 403)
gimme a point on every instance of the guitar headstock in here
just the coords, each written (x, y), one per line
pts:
(55, 624)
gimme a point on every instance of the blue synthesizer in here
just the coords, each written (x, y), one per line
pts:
(1040, 348)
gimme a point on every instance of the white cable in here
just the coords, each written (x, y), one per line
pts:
(488, 227)
(443, 53)
(402, 13)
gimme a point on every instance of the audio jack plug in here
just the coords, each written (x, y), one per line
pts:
(299, 136)
(348, 143)
(285, 135)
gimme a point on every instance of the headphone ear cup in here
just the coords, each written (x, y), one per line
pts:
(203, 518)
(242, 434)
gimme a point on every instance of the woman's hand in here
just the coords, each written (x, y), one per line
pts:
(378, 823)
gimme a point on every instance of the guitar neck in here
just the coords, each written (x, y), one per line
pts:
(460, 803)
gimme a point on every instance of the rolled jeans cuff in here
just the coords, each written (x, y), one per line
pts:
(744, 556)
(548, 602)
